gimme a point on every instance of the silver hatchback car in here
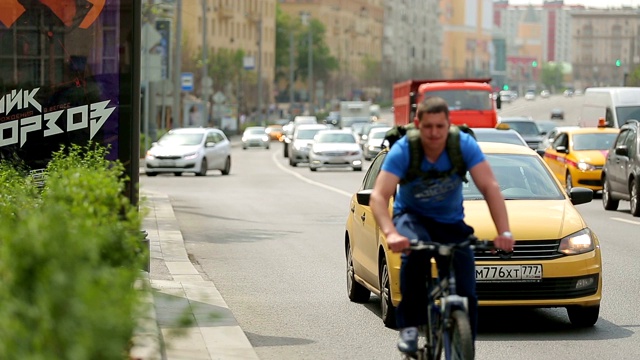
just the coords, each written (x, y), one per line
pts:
(194, 150)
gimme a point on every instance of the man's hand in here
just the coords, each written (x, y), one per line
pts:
(504, 243)
(397, 243)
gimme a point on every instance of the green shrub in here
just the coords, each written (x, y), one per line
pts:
(69, 256)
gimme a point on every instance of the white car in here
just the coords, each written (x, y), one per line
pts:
(255, 136)
(194, 150)
(335, 148)
(301, 142)
(373, 144)
(530, 95)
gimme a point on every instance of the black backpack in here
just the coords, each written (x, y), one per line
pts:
(417, 153)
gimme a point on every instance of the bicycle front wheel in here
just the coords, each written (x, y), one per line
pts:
(459, 340)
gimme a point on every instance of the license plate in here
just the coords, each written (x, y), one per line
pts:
(509, 273)
(168, 163)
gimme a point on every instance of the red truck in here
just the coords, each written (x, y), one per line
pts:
(470, 100)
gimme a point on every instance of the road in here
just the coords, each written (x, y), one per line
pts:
(271, 238)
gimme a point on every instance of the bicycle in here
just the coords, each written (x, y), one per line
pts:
(450, 330)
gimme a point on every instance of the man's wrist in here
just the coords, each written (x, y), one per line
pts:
(507, 234)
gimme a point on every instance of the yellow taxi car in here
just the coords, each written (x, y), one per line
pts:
(560, 253)
(274, 132)
(576, 156)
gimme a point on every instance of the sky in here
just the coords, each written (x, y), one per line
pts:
(587, 3)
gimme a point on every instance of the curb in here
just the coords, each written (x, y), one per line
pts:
(146, 342)
(193, 320)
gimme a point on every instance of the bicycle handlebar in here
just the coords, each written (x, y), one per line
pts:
(472, 241)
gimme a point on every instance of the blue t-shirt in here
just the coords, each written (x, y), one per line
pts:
(438, 199)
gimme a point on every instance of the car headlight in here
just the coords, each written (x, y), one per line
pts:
(265, 138)
(191, 156)
(372, 147)
(244, 139)
(299, 147)
(150, 156)
(583, 166)
(577, 243)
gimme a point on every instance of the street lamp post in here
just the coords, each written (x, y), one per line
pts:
(205, 70)
(260, 115)
(306, 20)
(177, 66)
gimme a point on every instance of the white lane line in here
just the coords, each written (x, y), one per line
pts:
(626, 221)
(341, 192)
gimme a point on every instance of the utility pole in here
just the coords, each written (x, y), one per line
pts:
(291, 95)
(312, 103)
(147, 93)
(177, 68)
(205, 70)
(260, 117)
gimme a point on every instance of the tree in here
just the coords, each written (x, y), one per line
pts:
(323, 62)
(552, 75)
(633, 79)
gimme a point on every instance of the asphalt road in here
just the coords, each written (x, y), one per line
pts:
(271, 239)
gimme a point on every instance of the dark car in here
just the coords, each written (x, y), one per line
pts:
(621, 172)
(526, 127)
(557, 114)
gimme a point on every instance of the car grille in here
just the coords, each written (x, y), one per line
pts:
(168, 157)
(334, 153)
(528, 250)
(549, 288)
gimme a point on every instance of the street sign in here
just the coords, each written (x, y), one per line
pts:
(186, 80)
(219, 97)
(248, 63)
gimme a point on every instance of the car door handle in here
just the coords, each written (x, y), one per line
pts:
(353, 209)
(362, 217)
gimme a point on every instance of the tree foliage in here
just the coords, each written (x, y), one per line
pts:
(552, 75)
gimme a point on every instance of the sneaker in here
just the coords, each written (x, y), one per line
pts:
(408, 342)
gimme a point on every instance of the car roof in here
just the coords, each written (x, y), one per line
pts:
(503, 148)
(311, 126)
(193, 130)
(380, 129)
(516, 118)
(591, 130)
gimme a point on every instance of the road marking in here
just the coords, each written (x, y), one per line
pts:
(627, 221)
(341, 192)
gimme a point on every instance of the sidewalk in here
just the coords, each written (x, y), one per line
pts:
(194, 322)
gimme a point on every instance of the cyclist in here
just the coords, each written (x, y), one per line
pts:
(430, 209)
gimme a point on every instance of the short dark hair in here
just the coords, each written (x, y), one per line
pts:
(433, 105)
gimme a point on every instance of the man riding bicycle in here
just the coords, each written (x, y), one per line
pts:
(430, 208)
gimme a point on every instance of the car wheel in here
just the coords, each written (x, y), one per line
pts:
(607, 202)
(355, 290)
(203, 168)
(388, 310)
(285, 151)
(633, 198)
(569, 182)
(267, 147)
(313, 168)
(292, 163)
(177, 173)
(583, 316)
(244, 148)
(227, 166)
(151, 173)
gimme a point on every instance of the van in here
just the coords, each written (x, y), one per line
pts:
(616, 105)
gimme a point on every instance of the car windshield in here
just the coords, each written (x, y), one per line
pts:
(352, 121)
(524, 127)
(377, 134)
(625, 113)
(180, 139)
(255, 131)
(307, 134)
(499, 137)
(335, 138)
(521, 177)
(546, 126)
(465, 99)
(593, 141)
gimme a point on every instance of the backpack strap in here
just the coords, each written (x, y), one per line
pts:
(416, 154)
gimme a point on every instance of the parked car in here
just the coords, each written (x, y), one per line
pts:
(499, 135)
(373, 144)
(564, 253)
(255, 136)
(621, 172)
(577, 156)
(335, 148)
(301, 142)
(526, 127)
(195, 150)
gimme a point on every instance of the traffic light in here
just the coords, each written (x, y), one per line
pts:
(618, 62)
(505, 87)
(534, 63)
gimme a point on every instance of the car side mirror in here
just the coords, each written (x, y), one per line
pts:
(543, 133)
(562, 149)
(498, 102)
(580, 195)
(540, 152)
(364, 196)
(622, 150)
